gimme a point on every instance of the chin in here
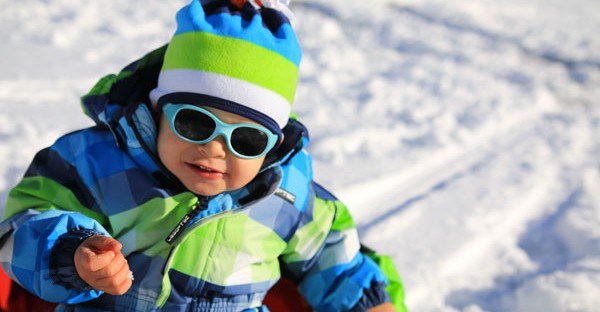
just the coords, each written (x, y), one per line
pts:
(205, 191)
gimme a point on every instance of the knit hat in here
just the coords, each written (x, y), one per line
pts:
(238, 56)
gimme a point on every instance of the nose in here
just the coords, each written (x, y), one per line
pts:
(216, 148)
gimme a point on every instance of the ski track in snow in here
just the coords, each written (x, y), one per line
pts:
(512, 222)
(435, 173)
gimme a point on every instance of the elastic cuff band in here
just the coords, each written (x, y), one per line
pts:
(373, 296)
(62, 262)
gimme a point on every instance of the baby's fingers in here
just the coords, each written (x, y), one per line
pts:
(87, 266)
(115, 267)
(96, 253)
(90, 261)
(116, 284)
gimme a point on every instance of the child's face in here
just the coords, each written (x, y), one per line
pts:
(206, 169)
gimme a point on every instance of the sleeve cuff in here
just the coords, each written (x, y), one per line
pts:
(373, 296)
(62, 263)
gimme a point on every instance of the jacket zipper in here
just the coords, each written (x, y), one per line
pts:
(200, 206)
(174, 238)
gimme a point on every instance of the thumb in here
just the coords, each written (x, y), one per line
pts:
(101, 244)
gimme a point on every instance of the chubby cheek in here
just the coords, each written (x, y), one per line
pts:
(168, 146)
(243, 171)
(164, 156)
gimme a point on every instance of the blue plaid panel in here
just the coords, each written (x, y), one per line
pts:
(125, 190)
(297, 176)
(48, 163)
(277, 214)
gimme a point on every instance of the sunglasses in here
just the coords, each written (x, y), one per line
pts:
(199, 126)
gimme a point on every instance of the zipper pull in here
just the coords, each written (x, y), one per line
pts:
(201, 205)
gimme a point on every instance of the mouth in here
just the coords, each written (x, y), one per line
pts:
(205, 168)
(206, 172)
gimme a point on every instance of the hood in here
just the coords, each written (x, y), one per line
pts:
(109, 99)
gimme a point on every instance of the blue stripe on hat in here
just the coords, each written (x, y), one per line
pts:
(283, 41)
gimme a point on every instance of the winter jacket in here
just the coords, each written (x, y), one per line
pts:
(108, 180)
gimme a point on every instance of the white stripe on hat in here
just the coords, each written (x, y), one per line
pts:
(226, 87)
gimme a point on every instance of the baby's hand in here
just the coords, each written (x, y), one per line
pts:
(100, 263)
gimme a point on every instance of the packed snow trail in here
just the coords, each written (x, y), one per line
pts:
(465, 218)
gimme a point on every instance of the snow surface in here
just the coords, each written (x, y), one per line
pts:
(463, 135)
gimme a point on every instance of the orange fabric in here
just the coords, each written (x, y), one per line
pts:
(23, 301)
(284, 297)
(240, 3)
(16, 299)
(5, 286)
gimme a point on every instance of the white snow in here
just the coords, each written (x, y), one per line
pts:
(463, 135)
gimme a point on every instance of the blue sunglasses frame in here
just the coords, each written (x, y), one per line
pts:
(221, 128)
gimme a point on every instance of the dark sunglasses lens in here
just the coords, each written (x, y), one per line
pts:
(249, 141)
(194, 125)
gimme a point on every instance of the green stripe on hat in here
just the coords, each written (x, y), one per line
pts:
(235, 58)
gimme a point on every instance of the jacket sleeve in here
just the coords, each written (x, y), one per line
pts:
(323, 256)
(44, 221)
